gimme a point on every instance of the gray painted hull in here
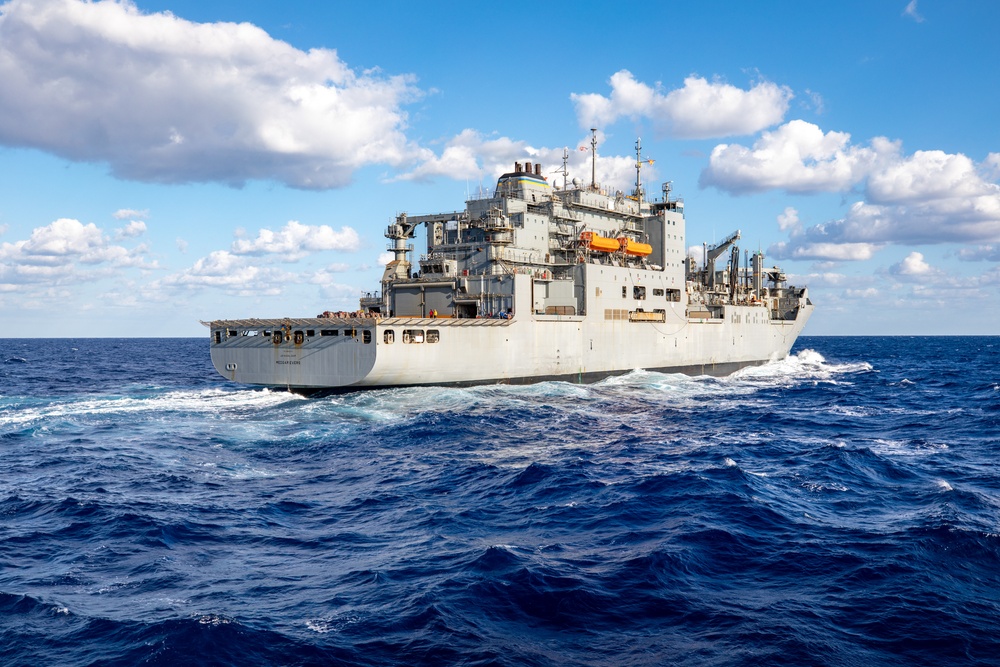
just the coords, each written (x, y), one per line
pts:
(592, 283)
(516, 351)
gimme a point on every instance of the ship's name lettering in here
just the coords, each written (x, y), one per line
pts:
(282, 361)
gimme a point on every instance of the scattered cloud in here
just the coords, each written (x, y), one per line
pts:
(820, 280)
(339, 295)
(244, 276)
(232, 273)
(991, 278)
(815, 101)
(131, 230)
(911, 12)
(913, 266)
(927, 197)
(162, 99)
(796, 157)
(788, 221)
(829, 251)
(296, 240)
(989, 253)
(67, 252)
(471, 156)
(700, 109)
(130, 214)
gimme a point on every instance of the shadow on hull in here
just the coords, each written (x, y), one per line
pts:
(713, 370)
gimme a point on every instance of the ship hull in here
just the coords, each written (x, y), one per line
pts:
(370, 353)
(533, 283)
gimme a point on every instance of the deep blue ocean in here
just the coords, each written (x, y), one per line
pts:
(841, 507)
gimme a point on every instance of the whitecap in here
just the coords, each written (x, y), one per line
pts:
(943, 485)
(214, 620)
(322, 627)
(906, 447)
(205, 401)
(820, 486)
(805, 365)
(331, 624)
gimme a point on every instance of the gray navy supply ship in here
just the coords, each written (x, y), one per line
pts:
(539, 281)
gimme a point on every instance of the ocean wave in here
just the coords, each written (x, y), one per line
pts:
(26, 411)
(807, 365)
(818, 509)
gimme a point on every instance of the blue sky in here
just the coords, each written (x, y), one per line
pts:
(165, 162)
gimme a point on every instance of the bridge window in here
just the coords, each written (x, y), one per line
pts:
(328, 332)
(389, 337)
(366, 336)
(638, 292)
(433, 335)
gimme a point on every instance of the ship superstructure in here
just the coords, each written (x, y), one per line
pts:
(535, 281)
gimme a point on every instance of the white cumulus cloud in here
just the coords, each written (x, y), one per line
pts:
(796, 157)
(469, 155)
(132, 229)
(53, 255)
(913, 266)
(700, 109)
(162, 99)
(296, 240)
(788, 221)
(234, 274)
(926, 197)
(820, 251)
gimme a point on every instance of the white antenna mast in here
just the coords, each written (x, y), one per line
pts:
(565, 169)
(593, 158)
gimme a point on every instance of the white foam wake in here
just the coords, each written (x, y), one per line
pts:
(806, 365)
(194, 402)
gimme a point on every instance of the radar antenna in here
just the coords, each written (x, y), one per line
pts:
(565, 168)
(639, 194)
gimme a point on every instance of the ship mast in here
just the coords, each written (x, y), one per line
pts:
(593, 158)
(565, 169)
(638, 170)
